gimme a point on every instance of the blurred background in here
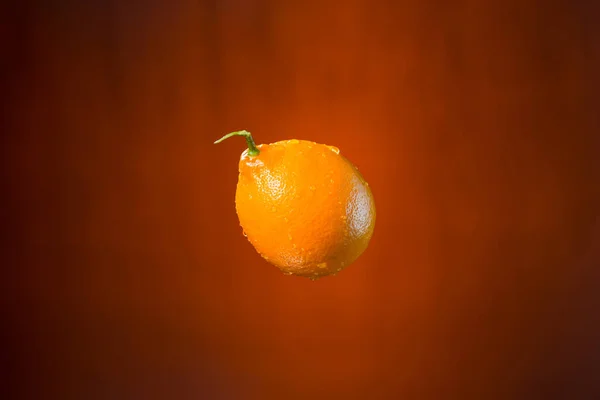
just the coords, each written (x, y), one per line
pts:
(124, 270)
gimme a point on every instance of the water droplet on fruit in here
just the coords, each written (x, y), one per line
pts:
(314, 278)
(334, 149)
(344, 217)
(287, 273)
(290, 237)
(342, 264)
(293, 141)
(293, 245)
(244, 233)
(312, 188)
(331, 181)
(273, 209)
(285, 219)
(322, 265)
(250, 196)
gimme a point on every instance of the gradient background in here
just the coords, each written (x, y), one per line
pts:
(126, 274)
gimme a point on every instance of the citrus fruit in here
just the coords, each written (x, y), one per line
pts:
(303, 206)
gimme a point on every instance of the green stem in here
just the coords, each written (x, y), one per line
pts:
(252, 149)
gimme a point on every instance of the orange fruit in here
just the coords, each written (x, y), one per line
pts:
(304, 207)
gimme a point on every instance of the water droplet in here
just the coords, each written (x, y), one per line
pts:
(314, 278)
(342, 263)
(294, 245)
(344, 217)
(290, 236)
(312, 188)
(250, 196)
(273, 209)
(322, 265)
(331, 181)
(287, 273)
(285, 219)
(293, 141)
(310, 145)
(334, 149)
(244, 233)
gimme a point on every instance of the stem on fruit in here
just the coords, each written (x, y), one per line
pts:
(252, 149)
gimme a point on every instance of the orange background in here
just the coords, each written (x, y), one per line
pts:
(127, 276)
